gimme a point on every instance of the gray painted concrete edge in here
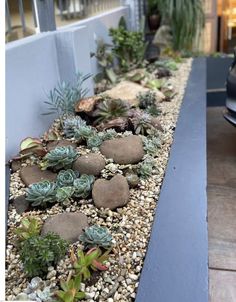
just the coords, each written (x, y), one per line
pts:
(176, 263)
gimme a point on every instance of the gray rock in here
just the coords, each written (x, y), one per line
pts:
(90, 164)
(21, 204)
(132, 179)
(15, 165)
(32, 174)
(112, 193)
(60, 143)
(68, 226)
(126, 150)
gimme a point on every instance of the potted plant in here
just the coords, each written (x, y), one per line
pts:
(154, 17)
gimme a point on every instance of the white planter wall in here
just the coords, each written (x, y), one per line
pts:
(34, 65)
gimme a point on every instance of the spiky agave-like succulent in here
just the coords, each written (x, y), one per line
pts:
(71, 124)
(94, 141)
(59, 158)
(146, 99)
(65, 178)
(64, 194)
(141, 123)
(110, 109)
(83, 132)
(83, 185)
(41, 193)
(96, 236)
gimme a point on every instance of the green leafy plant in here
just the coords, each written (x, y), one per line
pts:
(65, 178)
(84, 132)
(59, 158)
(129, 47)
(110, 109)
(105, 60)
(41, 193)
(64, 195)
(40, 252)
(96, 236)
(92, 260)
(151, 145)
(94, 141)
(169, 64)
(72, 124)
(146, 99)
(154, 84)
(70, 290)
(62, 99)
(186, 18)
(146, 168)
(28, 228)
(83, 185)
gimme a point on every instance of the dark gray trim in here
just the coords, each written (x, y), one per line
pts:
(217, 71)
(46, 15)
(7, 192)
(176, 263)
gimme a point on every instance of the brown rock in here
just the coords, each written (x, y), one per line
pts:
(112, 193)
(90, 164)
(155, 122)
(126, 150)
(87, 104)
(21, 204)
(15, 165)
(60, 143)
(126, 90)
(32, 174)
(119, 124)
(68, 226)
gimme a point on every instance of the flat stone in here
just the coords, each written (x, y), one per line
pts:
(90, 164)
(60, 143)
(87, 104)
(112, 193)
(33, 174)
(68, 226)
(126, 150)
(21, 204)
(127, 91)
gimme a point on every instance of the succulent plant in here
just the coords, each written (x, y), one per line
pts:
(31, 146)
(84, 132)
(71, 124)
(64, 194)
(37, 290)
(146, 99)
(60, 158)
(93, 259)
(51, 135)
(141, 123)
(110, 109)
(96, 236)
(40, 252)
(65, 178)
(153, 110)
(94, 141)
(146, 168)
(169, 64)
(83, 185)
(151, 145)
(108, 134)
(154, 84)
(29, 227)
(70, 290)
(41, 193)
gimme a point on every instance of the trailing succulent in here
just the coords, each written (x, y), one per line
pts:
(70, 290)
(65, 178)
(72, 124)
(28, 228)
(59, 158)
(40, 252)
(110, 109)
(83, 185)
(96, 236)
(41, 193)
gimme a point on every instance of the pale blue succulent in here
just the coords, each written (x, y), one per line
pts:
(96, 236)
(41, 193)
(83, 185)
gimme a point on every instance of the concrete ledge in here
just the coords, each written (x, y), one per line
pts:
(176, 263)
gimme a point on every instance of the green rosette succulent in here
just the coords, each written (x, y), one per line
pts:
(83, 185)
(64, 194)
(41, 193)
(96, 236)
(71, 125)
(65, 178)
(83, 132)
(94, 141)
(60, 158)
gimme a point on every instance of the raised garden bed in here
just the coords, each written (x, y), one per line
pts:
(127, 211)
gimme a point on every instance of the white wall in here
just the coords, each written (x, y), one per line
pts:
(34, 65)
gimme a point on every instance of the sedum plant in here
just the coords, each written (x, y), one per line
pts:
(59, 158)
(41, 193)
(70, 290)
(64, 195)
(110, 109)
(71, 125)
(92, 260)
(83, 185)
(28, 228)
(94, 141)
(40, 252)
(65, 178)
(96, 236)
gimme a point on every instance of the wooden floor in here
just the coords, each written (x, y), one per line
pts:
(221, 155)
